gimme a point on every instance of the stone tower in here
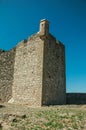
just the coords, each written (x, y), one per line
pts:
(44, 27)
(38, 70)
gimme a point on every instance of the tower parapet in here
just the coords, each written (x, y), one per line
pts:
(44, 27)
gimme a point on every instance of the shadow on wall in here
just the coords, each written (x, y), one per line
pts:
(6, 74)
(76, 98)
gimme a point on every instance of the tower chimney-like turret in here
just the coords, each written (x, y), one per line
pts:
(44, 27)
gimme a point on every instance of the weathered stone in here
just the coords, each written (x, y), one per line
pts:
(6, 74)
(33, 72)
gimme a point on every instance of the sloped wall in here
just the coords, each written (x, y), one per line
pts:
(6, 74)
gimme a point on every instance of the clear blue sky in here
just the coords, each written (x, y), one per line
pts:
(20, 18)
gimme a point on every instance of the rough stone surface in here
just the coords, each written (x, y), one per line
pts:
(33, 73)
(27, 85)
(6, 74)
(54, 89)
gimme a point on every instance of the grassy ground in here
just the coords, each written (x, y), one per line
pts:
(20, 117)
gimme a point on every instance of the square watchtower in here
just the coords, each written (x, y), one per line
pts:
(39, 70)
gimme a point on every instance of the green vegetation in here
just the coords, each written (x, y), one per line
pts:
(46, 118)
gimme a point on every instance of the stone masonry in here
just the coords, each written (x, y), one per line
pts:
(33, 72)
(6, 74)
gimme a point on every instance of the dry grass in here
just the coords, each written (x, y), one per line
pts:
(20, 117)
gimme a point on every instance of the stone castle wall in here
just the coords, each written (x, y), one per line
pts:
(76, 98)
(6, 74)
(39, 72)
(33, 72)
(54, 89)
(27, 85)
(28, 74)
